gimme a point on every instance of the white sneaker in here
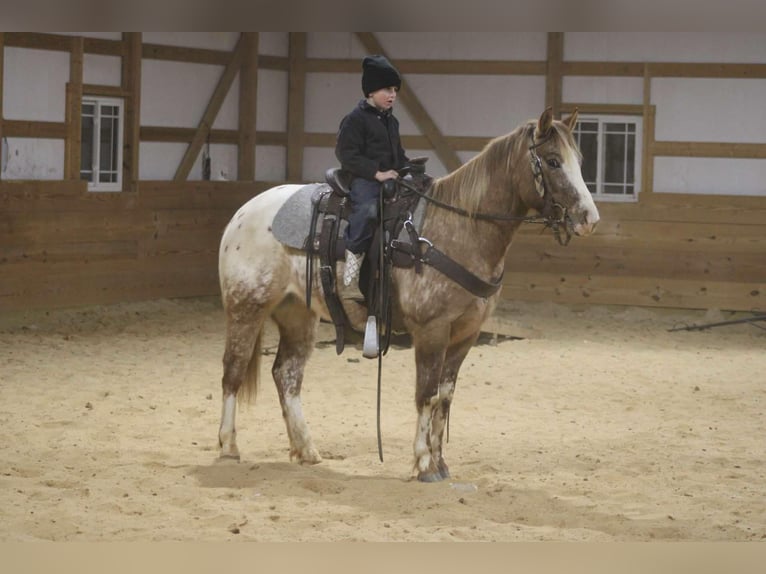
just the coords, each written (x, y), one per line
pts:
(353, 266)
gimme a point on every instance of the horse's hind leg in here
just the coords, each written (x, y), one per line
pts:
(241, 360)
(297, 328)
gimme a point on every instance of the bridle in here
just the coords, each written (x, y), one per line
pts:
(554, 215)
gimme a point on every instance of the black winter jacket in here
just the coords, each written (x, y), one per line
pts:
(368, 142)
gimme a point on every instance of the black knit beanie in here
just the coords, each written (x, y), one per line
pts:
(377, 73)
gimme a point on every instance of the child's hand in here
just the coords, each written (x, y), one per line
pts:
(384, 175)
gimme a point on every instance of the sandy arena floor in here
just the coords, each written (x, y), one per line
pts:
(596, 425)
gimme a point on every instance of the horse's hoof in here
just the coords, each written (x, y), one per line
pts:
(430, 477)
(307, 456)
(229, 458)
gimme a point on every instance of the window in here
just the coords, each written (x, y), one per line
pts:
(101, 153)
(611, 149)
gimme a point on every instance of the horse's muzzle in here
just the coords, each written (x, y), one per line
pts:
(586, 223)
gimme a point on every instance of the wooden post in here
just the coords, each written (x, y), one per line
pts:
(647, 169)
(73, 141)
(2, 60)
(553, 78)
(248, 106)
(422, 118)
(131, 85)
(213, 106)
(296, 101)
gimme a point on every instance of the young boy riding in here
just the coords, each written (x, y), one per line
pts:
(368, 146)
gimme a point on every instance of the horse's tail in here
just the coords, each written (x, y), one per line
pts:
(248, 390)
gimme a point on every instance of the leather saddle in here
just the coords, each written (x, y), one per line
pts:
(330, 210)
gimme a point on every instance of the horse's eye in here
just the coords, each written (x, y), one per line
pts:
(553, 162)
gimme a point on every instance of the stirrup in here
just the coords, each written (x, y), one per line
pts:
(370, 349)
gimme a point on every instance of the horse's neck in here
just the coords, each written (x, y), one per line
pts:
(482, 244)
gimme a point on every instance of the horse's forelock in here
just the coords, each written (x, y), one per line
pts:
(566, 139)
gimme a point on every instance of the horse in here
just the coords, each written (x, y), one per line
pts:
(536, 167)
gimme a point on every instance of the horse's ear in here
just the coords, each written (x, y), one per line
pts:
(544, 123)
(571, 121)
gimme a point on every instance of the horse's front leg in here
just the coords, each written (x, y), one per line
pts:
(454, 357)
(429, 359)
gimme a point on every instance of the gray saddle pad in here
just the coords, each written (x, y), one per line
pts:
(292, 221)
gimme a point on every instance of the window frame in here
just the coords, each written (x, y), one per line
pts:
(602, 120)
(99, 102)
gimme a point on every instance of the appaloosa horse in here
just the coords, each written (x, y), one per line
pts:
(535, 167)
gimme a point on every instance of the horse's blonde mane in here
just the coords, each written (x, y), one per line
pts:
(465, 187)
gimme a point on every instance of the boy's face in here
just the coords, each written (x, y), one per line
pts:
(384, 98)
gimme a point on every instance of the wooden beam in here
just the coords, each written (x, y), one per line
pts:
(702, 70)
(248, 106)
(615, 109)
(664, 69)
(431, 67)
(182, 54)
(271, 138)
(273, 62)
(709, 149)
(107, 91)
(186, 135)
(635, 69)
(213, 106)
(62, 43)
(104, 47)
(412, 103)
(296, 101)
(553, 77)
(131, 84)
(39, 41)
(34, 129)
(462, 143)
(73, 142)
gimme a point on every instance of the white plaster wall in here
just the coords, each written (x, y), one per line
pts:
(175, 94)
(273, 43)
(159, 161)
(316, 161)
(34, 159)
(738, 47)
(710, 176)
(271, 114)
(602, 90)
(483, 106)
(101, 70)
(270, 163)
(710, 110)
(34, 86)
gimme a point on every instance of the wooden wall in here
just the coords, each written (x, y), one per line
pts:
(668, 250)
(61, 246)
